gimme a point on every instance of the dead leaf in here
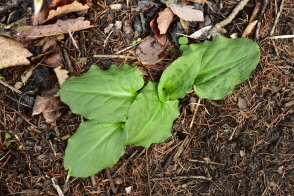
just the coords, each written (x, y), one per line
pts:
(186, 12)
(164, 19)
(127, 28)
(161, 38)
(48, 104)
(60, 27)
(57, 3)
(149, 51)
(65, 9)
(198, 1)
(54, 60)
(61, 75)
(249, 29)
(12, 53)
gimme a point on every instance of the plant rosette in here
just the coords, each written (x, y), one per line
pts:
(120, 111)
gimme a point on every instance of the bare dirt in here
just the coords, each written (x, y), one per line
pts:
(226, 151)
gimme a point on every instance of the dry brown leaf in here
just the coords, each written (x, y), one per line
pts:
(48, 104)
(249, 29)
(54, 60)
(198, 1)
(73, 7)
(57, 3)
(60, 27)
(61, 75)
(164, 19)
(186, 12)
(161, 38)
(149, 51)
(12, 53)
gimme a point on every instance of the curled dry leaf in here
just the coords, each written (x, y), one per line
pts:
(186, 12)
(73, 7)
(249, 29)
(149, 51)
(60, 27)
(201, 33)
(48, 104)
(161, 38)
(164, 19)
(12, 53)
(61, 75)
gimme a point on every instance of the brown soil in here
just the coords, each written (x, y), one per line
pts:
(227, 151)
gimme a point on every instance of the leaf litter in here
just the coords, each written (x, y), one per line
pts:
(266, 93)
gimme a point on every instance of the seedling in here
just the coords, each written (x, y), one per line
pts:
(121, 112)
(136, 41)
(7, 137)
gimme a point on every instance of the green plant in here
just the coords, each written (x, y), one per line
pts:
(7, 137)
(121, 112)
(136, 41)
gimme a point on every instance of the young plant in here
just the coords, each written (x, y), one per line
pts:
(121, 112)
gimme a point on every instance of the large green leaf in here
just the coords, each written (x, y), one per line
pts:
(225, 63)
(178, 78)
(103, 95)
(93, 147)
(149, 119)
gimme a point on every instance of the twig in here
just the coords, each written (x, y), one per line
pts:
(73, 40)
(218, 28)
(194, 114)
(277, 18)
(113, 56)
(198, 161)
(112, 185)
(10, 87)
(127, 48)
(68, 62)
(115, 174)
(56, 186)
(281, 37)
(182, 177)
(148, 175)
(264, 5)
(170, 157)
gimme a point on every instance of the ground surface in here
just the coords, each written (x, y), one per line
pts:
(228, 151)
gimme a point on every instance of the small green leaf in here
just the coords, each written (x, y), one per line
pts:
(149, 119)
(183, 40)
(225, 63)
(178, 78)
(7, 144)
(139, 39)
(103, 95)
(7, 136)
(134, 43)
(95, 146)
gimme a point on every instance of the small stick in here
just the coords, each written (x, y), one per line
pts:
(127, 48)
(217, 29)
(277, 18)
(148, 175)
(194, 114)
(264, 5)
(10, 87)
(112, 186)
(68, 62)
(281, 37)
(198, 161)
(182, 177)
(170, 157)
(113, 56)
(255, 12)
(73, 40)
(56, 186)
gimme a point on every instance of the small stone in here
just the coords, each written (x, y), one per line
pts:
(242, 153)
(118, 180)
(242, 103)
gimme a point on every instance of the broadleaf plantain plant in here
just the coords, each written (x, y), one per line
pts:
(121, 112)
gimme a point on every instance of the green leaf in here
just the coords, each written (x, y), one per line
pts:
(178, 78)
(95, 146)
(103, 95)
(7, 135)
(183, 40)
(225, 63)
(149, 119)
